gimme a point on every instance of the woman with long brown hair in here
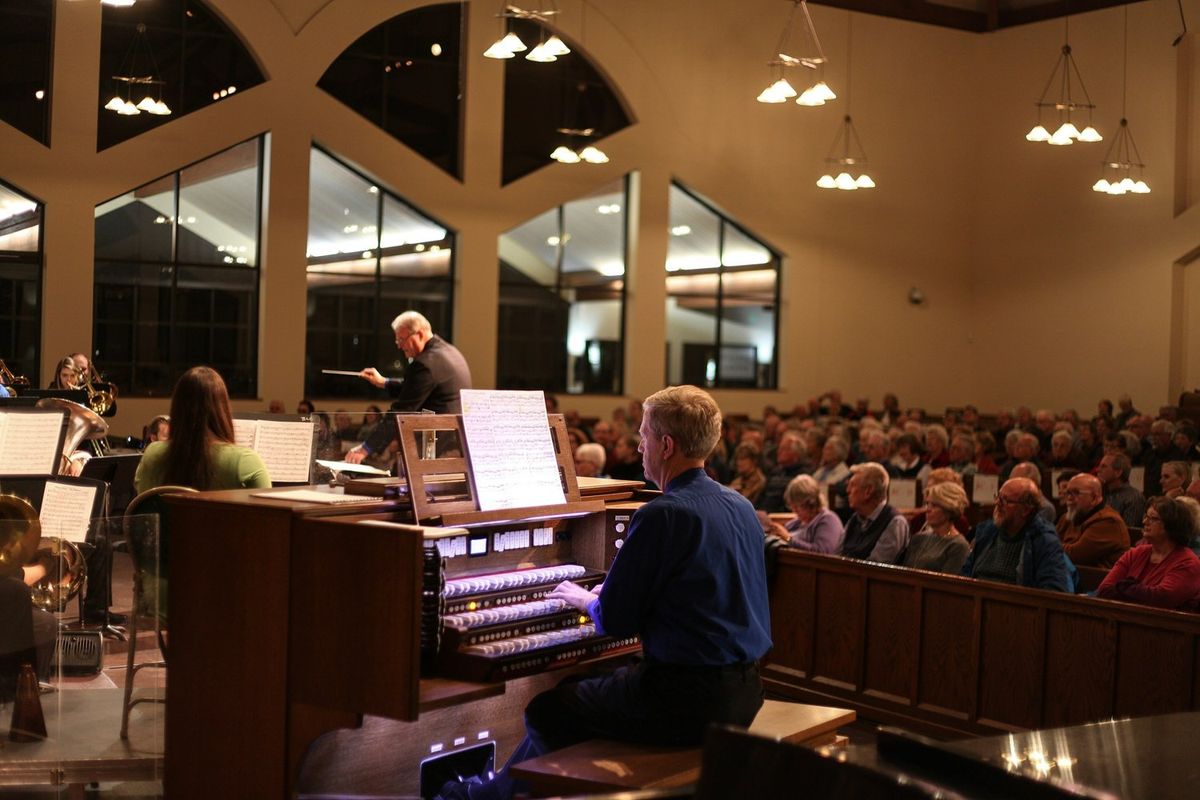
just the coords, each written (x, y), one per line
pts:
(201, 452)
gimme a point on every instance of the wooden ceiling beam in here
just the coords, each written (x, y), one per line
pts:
(915, 11)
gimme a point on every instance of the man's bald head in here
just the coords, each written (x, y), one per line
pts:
(1084, 492)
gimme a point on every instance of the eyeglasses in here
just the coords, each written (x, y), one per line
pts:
(1151, 518)
(1075, 493)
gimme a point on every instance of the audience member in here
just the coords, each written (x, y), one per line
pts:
(626, 461)
(1104, 408)
(1091, 449)
(1024, 448)
(1193, 490)
(1016, 545)
(936, 442)
(789, 462)
(1043, 428)
(159, 429)
(370, 419)
(1163, 571)
(590, 460)
(907, 462)
(1127, 501)
(962, 454)
(1186, 439)
(1161, 451)
(875, 447)
(1127, 411)
(275, 407)
(1174, 478)
(1063, 452)
(815, 528)
(1092, 534)
(748, 479)
(939, 547)
(1028, 470)
(305, 407)
(876, 531)
(985, 446)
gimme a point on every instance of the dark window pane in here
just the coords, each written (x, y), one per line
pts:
(192, 57)
(356, 288)
(543, 99)
(20, 281)
(26, 42)
(404, 76)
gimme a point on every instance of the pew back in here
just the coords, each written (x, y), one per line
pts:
(952, 656)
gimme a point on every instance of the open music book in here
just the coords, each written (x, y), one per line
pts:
(285, 447)
(30, 442)
(511, 453)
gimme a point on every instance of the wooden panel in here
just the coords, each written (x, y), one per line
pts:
(793, 602)
(1154, 669)
(947, 649)
(893, 625)
(1010, 664)
(838, 625)
(1079, 683)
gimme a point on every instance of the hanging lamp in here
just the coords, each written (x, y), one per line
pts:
(780, 90)
(1122, 159)
(846, 155)
(1066, 75)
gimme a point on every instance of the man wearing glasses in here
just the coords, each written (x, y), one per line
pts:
(1093, 535)
(435, 374)
(1016, 545)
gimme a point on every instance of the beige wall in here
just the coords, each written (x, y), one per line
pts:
(1039, 290)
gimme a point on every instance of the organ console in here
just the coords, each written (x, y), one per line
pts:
(352, 648)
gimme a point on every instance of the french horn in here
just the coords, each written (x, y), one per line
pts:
(22, 544)
(82, 423)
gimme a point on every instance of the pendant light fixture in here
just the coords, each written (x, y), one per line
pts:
(509, 44)
(1122, 158)
(1066, 75)
(780, 91)
(846, 155)
(131, 77)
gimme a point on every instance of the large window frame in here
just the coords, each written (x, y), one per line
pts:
(385, 356)
(722, 356)
(128, 373)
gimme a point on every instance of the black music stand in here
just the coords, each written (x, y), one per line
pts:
(118, 472)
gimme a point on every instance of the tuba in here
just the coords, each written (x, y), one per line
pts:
(82, 423)
(22, 544)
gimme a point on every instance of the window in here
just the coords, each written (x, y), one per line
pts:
(565, 102)
(176, 281)
(26, 35)
(20, 282)
(186, 47)
(405, 77)
(562, 297)
(370, 257)
(722, 299)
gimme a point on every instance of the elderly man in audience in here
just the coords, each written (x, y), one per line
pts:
(937, 440)
(1063, 452)
(962, 454)
(1024, 419)
(815, 528)
(748, 479)
(939, 547)
(1016, 545)
(875, 447)
(1043, 427)
(1162, 450)
(1163, 571)
(1174, 478)
(1092, 534)
(789, 462)
(589, 460)
(832, 468)
(1026, 469)
(876, 531)
(1127, 412)
(1025, 448)
(1127, 501)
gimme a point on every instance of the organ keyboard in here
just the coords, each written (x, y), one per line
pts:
(499, 626)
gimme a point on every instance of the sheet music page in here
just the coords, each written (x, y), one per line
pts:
(902, 493)
(67, 510)
(29, 443)
(244, 431)
(512, 454)
(286, 449)
(984, 491)
(1054, 476)
(1137, 478)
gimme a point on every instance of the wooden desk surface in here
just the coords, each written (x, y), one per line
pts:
(84, 743)
(602, 765)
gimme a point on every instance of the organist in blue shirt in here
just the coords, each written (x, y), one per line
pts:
(690, 581)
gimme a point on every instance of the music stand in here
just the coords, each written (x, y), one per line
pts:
(118, 472)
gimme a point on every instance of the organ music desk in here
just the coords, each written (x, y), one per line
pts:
(296, 632)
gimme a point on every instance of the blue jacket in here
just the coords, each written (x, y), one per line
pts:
(1043, 564)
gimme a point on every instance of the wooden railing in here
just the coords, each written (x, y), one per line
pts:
(953, 656)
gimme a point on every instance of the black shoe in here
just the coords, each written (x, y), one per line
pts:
(100, 618)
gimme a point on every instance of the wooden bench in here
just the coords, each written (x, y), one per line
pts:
(601, 765)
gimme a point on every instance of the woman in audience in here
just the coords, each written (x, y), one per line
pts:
(938, 547)
(1186, 439)
(833, 469)
(370, 419)
(1162, 571)
(590, 459)
(201, 453)
(748, 479)
(1175, 477)
(985, 447)
(815, 528)
(936, 443)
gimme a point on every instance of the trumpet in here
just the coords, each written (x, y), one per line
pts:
(8, 379)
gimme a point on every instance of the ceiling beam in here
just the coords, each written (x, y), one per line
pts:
(916, 11)
(1056, 8)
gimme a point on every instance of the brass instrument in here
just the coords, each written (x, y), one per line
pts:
(99, 400)
(22, 544)
(8, 379)
(82, 423)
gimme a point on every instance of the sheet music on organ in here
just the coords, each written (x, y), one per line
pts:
(67, 510)
(285, 447)
(30, 442)
(511, 453)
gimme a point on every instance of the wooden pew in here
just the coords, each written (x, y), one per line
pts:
(952, 656)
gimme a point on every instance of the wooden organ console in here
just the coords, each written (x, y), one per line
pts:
(336, 648)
